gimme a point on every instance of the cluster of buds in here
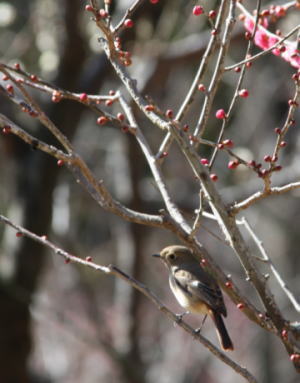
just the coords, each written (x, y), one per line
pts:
(56, 96)
(199, 10)
(225, 144)
(124, 56)
(27, 109)
(273, 13)
(99, 14)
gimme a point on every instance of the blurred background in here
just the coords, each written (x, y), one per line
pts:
(64, 323)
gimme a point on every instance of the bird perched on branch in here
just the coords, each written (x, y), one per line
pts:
(195, 289)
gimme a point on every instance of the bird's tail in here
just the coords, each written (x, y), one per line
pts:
(222, 332)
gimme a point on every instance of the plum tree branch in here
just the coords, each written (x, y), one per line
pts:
(225, 219)
(266, 258)
(84, 176)
(114, 270)
(43, 118)
(218, 71)
(275, 190)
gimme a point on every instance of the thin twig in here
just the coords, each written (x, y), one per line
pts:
(43, 118)
(211, 47)
(236, 91)
(199, 213)
(287, 124)
(170, 205)
(264, 52)
(218, 72)
(129, 12)
(84, 176)
(267, 259)
(275, 190)
(35, 143)
(49, 88)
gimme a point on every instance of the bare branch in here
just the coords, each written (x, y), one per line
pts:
(236, 91)
(266, 258)
(218, 72)
(129, 12)
(25, 78)
(84, 176)
(10, 127)
(275, 190)
(211, 47)
(170, 205)
(43, 118)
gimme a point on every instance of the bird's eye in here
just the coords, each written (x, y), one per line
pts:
(172, 256)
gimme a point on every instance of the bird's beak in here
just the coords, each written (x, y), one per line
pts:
(156, 255)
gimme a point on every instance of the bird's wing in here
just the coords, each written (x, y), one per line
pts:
(202, 286)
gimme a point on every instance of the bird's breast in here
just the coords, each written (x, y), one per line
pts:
(186, 299)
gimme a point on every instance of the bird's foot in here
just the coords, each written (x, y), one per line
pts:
(198, 330)
(180, 316)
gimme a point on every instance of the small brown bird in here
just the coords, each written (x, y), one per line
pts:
(195, 289)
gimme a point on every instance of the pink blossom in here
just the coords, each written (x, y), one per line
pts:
(249, 24)
(265, 40)
(279, 11)
(276, 52)
(292, 55)
(262, 38)
(272, 39)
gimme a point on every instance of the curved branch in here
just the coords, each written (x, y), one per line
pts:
(113, 270)
(43, 118)
(84, 175)
(275, 190)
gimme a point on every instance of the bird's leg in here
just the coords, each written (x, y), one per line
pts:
(180, 316)
(198, 330)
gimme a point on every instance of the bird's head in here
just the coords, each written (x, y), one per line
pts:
(176, 255)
